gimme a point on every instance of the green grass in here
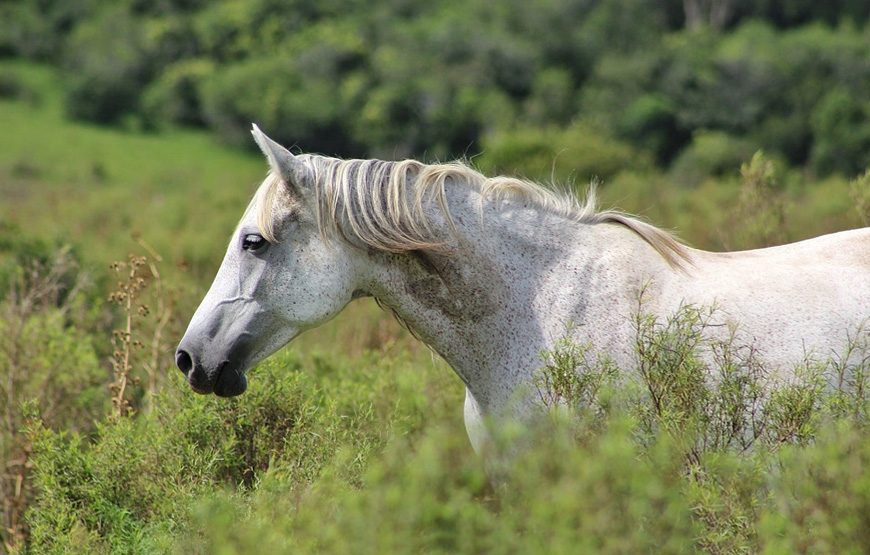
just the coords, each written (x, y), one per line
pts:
(98, 187)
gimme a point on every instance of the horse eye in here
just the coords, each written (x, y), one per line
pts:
(253, 242)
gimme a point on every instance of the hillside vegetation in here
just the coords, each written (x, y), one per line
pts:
(125, 163)
(618, 83)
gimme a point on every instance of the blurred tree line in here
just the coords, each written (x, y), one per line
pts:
(609, 84)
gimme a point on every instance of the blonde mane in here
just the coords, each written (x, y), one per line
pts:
(382, 204)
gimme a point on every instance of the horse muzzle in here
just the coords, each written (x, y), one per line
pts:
(224, 379)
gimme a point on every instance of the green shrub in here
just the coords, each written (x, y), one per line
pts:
(295, 108)
(434, 79)
(48, 365)
(39, 30)
(710, 154)
(551, 101)
(108, 61)
(175, 97)
(575, 154)
(759, 218)
(11, 86)
(145, 470)
(705, 397)
(820, 499)
(651, 121)
(603, 496)
(841, 133)
(24, 258)
(137, 476)
(860, 193)
(727, 493)
(433, 495)
(223, 30)
(572, 378)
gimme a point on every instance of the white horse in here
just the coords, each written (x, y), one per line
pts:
(488, 271)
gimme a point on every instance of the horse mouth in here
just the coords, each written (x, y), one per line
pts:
(229, 382)
(200, 389)
(198, 381)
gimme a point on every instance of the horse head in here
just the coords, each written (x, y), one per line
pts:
(277, 279)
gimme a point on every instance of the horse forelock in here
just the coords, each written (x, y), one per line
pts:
(383, 204)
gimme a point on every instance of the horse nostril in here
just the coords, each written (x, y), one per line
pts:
(183, 361)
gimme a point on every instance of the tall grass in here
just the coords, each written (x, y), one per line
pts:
(48, 364)
(367, 454)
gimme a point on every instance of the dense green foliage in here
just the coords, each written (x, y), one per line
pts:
(352, 439)
(446, 79)
(365, 456)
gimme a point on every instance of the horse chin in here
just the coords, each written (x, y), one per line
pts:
(230, 383)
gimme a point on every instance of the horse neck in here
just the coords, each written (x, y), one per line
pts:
(510, 281)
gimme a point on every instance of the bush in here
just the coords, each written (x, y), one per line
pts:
(49, 365)
(841, 133)
(710, 154)
(140, 475)
(651, 121)
(551, 101)
(108, 61)
(755, 82)
(292, 106)
(759, 217)
(434, 496)
(136, 473)
(25, 261)
(707, 399)
(821, 500)
(175, 97)
(39, 30)
(860, 193)
(15, 86)
(575, 154)
(11, 86)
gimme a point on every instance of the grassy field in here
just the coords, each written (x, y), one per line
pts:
(351, 439)
(85, 184)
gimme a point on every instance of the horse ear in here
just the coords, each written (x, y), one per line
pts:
(292, 170)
